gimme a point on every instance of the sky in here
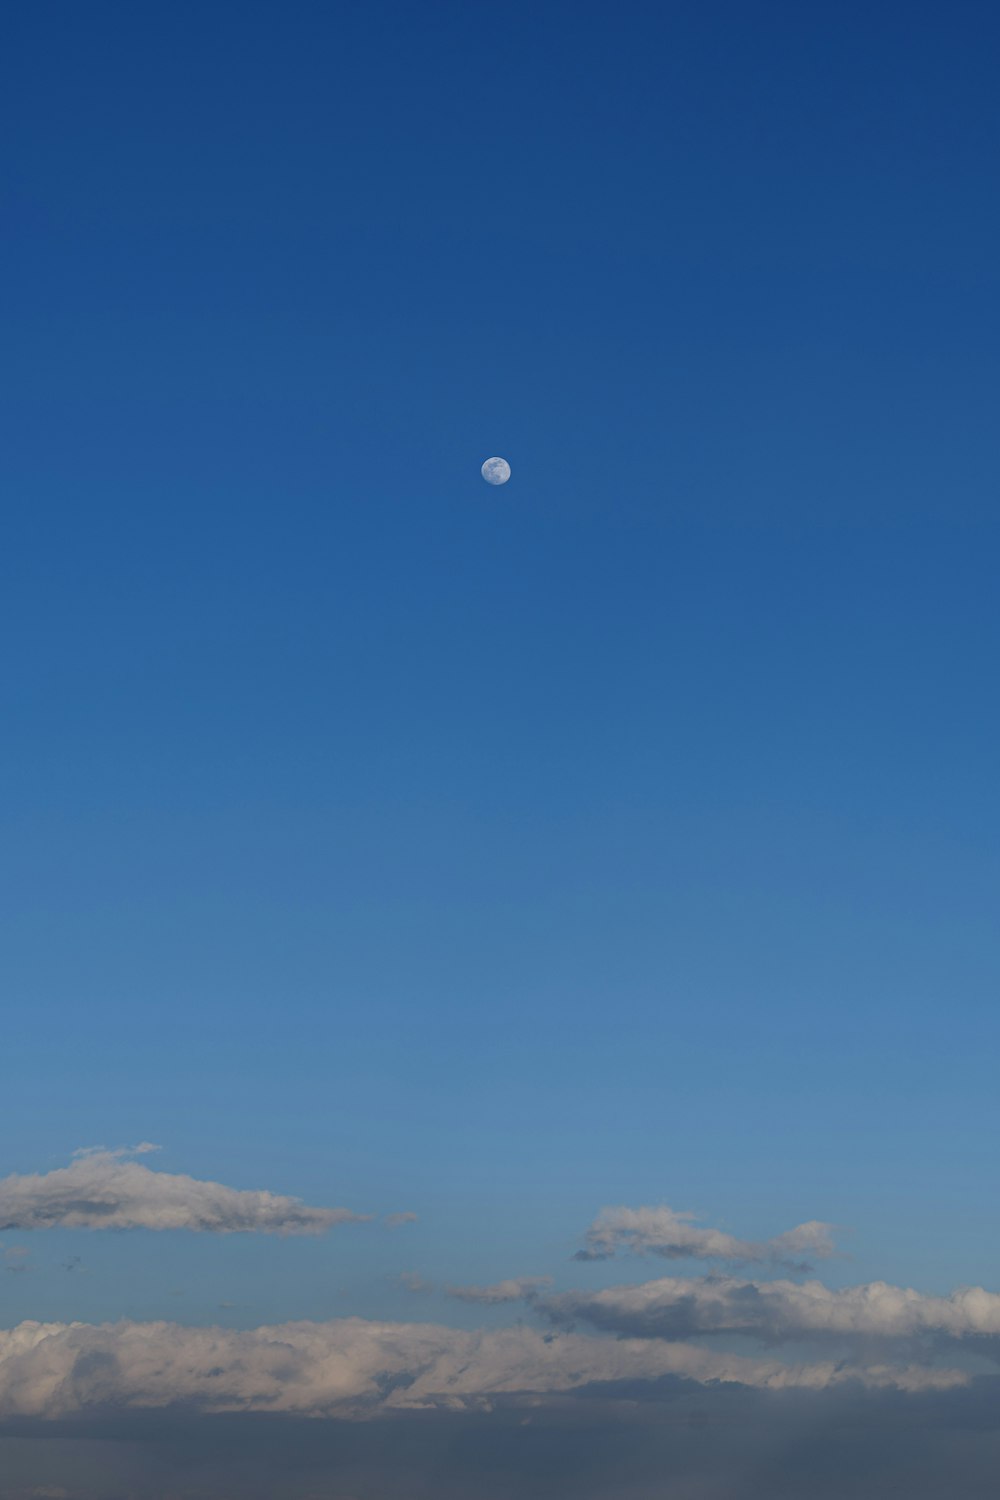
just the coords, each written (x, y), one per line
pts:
(571, 904)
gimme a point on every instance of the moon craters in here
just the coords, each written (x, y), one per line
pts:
(496, 471)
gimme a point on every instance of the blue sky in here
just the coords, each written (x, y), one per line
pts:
(627, 834)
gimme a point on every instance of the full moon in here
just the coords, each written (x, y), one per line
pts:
(496, 471)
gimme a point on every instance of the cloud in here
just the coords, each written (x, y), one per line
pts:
(142, 1149)
(515, 1289)
(353, 1367)
(677, 1236)
(778, 1311)
(414, 1282)
(393, 1221)
(105, 1189)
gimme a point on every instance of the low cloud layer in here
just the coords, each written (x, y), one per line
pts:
(779, 1311)
(104, 1189)
(678, 1236)
(352, 1367)
(688, 1442)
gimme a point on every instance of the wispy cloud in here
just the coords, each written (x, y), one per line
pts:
(108, 1189)
(14, 1258)
(677, 1235)
(515, 1289)
(414, 1282)
(395, 1221)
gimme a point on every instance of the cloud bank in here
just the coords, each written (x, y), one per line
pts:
(104, 1189)
(778, 1311)
(678, 1236)
(355, 1368)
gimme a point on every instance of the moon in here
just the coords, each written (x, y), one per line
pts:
(496, 471)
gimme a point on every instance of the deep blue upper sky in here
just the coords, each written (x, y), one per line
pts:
(626, 834)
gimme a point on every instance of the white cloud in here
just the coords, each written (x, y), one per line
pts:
(515, 1289)
(677, 1235)
(777, 1311)
(351, 1367)
(104, 1189)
